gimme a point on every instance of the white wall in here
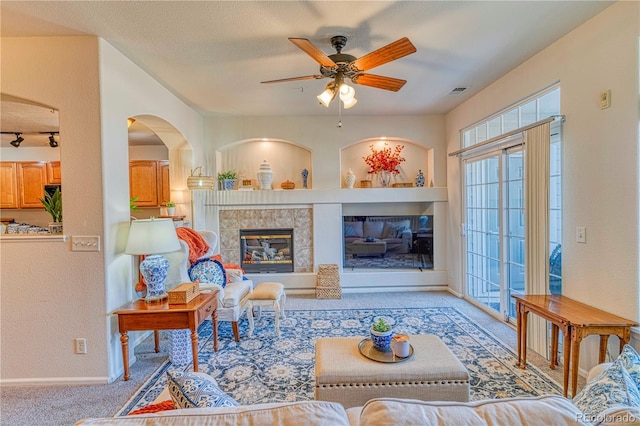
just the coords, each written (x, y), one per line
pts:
(600, 158)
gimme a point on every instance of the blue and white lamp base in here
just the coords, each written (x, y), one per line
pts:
(154, 269)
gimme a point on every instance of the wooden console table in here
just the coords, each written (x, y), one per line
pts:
(140, 315)
(577, 321)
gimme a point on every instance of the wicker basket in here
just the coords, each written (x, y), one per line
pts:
(184, 293)
(365, 184)
(328, 282)
(328, 293)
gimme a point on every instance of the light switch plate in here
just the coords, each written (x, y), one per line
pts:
(581, 234)
(85, 243)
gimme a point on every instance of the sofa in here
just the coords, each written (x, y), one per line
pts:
(394, 231)
(610, 397)
(544, 410)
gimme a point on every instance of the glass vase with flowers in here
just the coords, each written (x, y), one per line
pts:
(384, 162)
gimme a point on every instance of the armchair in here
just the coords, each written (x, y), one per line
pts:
(232, 299)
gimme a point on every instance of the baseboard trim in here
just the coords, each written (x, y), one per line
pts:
(49, 381)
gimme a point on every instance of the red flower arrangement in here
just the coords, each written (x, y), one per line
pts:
(384, 159)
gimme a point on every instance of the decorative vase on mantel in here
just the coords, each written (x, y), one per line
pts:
(350, 179)
(265, 175)
(384, 177)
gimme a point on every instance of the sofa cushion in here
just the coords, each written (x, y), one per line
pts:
(154, 408)
(544, 410)
(395, 229)
(353, 229)
(373, 229)
(192, 390)
(311, 413)
(234, 292)
(614, 387)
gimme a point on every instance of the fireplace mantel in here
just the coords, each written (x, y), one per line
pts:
(326, 196)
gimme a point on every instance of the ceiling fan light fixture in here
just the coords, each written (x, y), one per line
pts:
(348, 104)
(327, 96)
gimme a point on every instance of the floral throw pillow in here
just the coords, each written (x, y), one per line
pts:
(631, 362)
(208, 271)
(614, 387)
(197, 390)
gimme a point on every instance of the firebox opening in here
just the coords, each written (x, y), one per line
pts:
(266, 250)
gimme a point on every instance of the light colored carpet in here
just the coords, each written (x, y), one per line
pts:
(63, 405)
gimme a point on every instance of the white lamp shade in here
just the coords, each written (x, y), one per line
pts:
(350, 103)
(152, 236)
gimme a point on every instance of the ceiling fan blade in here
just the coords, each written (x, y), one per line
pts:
(388, 53)
(379, 81)
(306, 77)
(318, 55)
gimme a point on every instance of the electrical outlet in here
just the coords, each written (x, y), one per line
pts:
(80, 345)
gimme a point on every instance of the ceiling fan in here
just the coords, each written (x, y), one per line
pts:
(341, 65)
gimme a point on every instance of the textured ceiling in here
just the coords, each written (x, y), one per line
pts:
(214, 54)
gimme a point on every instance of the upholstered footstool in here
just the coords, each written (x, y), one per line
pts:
(346, 376)
(269, 294)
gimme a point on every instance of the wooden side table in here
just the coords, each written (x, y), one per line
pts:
(140, 316)
(576, 320)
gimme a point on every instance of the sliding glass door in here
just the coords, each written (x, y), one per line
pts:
(482, 230)
(495, 229)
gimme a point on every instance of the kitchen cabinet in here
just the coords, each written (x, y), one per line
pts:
(32, 177)
(53, 173)
(149, 182)
(164, 190)
(8, 185)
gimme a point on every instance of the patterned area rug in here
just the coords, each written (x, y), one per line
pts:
(270, 369)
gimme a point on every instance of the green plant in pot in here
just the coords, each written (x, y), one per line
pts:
(53, 205)
(228, 179)
(381, 334)
(171, 208)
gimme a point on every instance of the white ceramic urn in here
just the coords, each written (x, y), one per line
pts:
(265, 175)
(350, 179)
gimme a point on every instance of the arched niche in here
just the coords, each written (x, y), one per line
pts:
(417, 158)
(287, 160)
(154, 138)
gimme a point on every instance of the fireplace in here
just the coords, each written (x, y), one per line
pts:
(266, 250)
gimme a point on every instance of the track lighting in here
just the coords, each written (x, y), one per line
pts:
(53, 143)
(18, 140)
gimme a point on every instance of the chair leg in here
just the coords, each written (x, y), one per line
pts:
(236, 332)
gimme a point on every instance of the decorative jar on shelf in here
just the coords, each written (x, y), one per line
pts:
(265, 175)
(384, 177)
(350, 179)
(420, 179)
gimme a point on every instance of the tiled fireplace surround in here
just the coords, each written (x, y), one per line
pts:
(300, 219)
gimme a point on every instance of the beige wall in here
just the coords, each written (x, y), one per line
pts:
(600, 157)
(49, 294)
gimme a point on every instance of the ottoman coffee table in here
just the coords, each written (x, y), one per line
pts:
(346, 376)
(368, 248)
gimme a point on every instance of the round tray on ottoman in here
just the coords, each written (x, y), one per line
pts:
(367, 349)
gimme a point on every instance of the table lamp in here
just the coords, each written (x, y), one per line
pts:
(150, 237)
